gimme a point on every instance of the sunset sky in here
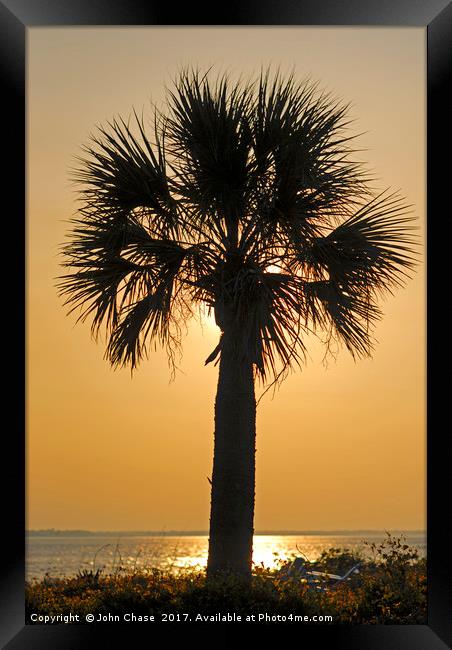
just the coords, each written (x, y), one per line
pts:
(338, 447)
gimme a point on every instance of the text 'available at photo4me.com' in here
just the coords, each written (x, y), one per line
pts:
(130, 617)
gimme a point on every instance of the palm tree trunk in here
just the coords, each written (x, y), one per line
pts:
(233, 477)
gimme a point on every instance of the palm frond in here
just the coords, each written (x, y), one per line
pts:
(373, 250)
(121, 173)
(344, 316)
(148, 318)
(209, 140)
(301, 168)
(94, 289)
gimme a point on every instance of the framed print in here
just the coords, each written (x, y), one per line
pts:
(229, 227)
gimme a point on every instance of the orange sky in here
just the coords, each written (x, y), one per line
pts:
(341, 447)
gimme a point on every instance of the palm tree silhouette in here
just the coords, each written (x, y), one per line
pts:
(246, 202)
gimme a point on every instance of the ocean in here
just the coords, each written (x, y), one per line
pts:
(65, 554)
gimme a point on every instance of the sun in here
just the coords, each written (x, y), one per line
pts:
(207, 318)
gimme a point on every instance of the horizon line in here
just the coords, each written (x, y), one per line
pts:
(265, 531)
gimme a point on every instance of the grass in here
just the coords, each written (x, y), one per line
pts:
(390, 589)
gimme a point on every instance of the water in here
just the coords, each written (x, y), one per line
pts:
(59, 555)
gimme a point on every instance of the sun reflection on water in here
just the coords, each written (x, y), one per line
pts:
(66, 555)
(268, 551)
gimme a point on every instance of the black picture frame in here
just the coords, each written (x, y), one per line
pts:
(16, 16)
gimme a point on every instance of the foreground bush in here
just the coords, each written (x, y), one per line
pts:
(390, 589)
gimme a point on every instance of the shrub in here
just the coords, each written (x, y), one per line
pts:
(390, 589)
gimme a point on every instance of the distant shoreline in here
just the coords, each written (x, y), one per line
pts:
(51, 532)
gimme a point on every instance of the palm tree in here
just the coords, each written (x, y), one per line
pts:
(246, 202)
